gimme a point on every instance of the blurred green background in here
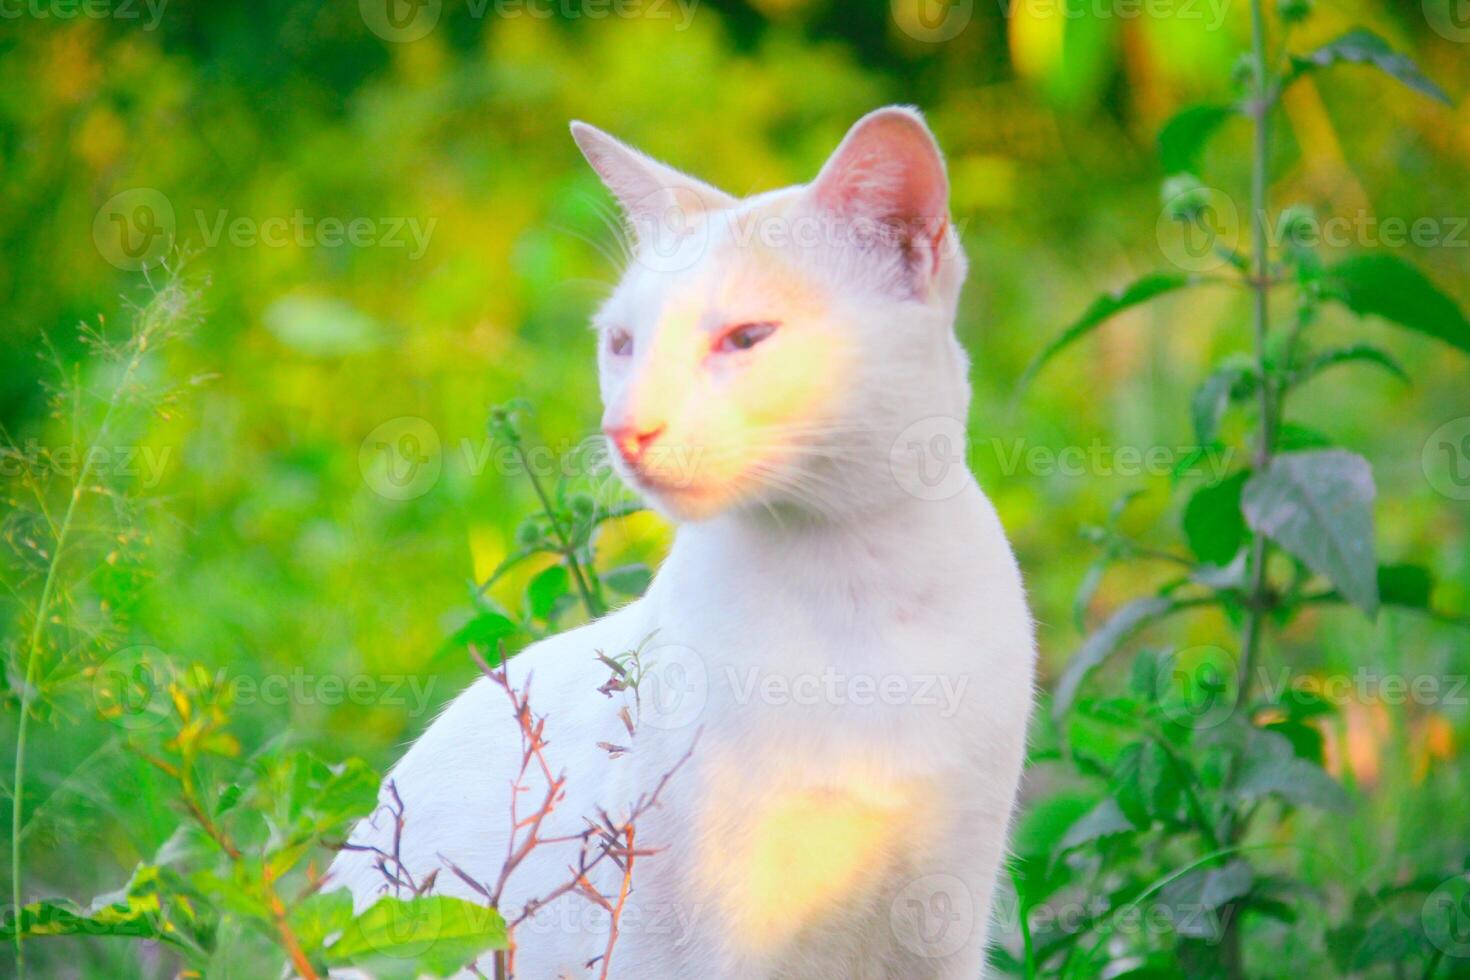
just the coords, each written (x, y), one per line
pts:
(275, 550)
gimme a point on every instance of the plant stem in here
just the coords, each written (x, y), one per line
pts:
(594, 608)
(1232, 955)
(1266, 438)
(38, 629)
(1261, 160)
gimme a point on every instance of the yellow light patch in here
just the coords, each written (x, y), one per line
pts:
(982, 181)
(801, 855)
(641, 536)
(487, 550)
(1037, 30)
(806, 854)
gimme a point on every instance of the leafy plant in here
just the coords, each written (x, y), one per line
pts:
(237, 881)
(1197, 767)
(564, 528)
(71, 529)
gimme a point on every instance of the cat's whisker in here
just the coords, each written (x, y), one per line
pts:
(622, 235)
(788, 484)
(617, 264)
(814, 429)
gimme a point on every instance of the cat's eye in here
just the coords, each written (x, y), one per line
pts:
(745, 336)
(619, 343)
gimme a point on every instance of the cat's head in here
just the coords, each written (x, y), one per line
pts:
(769, 352)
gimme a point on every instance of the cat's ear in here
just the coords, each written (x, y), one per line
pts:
(652, 195)
(888, 172)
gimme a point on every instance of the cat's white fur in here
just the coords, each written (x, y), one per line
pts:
(845, 634)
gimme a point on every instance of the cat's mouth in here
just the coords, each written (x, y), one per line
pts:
(666, 469)
(677, 495)
(665, 485)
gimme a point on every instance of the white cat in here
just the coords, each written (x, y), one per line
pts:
(840, 620)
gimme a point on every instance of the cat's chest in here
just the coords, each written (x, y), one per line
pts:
(799, 651)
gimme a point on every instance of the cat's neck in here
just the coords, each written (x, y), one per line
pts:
(893, 543)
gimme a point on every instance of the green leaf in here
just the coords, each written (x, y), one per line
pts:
(1318, 505)
(1388, 941)
(1184, 136)
(1387, 286)
(1096, 648)
(1215, 456)
(1102, 821)
(546, 589)
(1120, 712)
(1046, 822)
(1128, 788)
(1150, 672)
(1351, 354)
(61, 917)
(1409, 586)
(485, 630)
(1146, 785)
(1361, 46)
(1205, 890)
(1141, 291)
(1091, 579)
(1271, 767)
(1306, 740)
(1292, 437)
(1301, 703)
(322, 915)
(135, 911)
(435, 933)
(629, 579)
(313, 797)
(1208, 405)
(1213, 523)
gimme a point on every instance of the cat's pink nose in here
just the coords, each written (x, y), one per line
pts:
(632, 440)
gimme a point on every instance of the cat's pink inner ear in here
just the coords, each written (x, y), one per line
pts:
(644, 187)
(888, 168)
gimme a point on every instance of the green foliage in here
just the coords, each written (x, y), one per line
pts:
(435, 934)
(1214, 524)
(1319, 507)
(1388, 287)
(1362, 47)
(1149, 287)
(1185, 136)
(1199, 776)
(565, 528)
(239, 877)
